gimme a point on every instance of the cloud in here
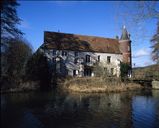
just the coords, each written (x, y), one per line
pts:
(142, 57)
(142, 52)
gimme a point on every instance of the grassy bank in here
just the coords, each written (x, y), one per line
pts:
(97, 84)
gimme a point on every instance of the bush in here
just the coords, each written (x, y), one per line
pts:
(14, 58)
(99, 70)
(124, 70)
(37, 69)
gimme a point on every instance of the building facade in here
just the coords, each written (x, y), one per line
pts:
(79, 55)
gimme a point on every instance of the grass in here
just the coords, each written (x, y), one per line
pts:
(97, 84)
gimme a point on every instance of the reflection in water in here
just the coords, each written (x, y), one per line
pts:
(56, 110)
(146, 110)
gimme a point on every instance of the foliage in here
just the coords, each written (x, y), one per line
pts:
(13, 60)
(155, 46)
(124, 68)
(136, 18)
(17, 54)
(37, 69)
(149, 72)
(9, 19)
(98, 70)
(143, 10)
(10, 39)
(146, 10)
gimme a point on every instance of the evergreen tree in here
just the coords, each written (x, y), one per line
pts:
(9, 19)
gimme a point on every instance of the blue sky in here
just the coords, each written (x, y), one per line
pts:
(96, 18)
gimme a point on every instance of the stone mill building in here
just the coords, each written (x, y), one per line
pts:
(78, 55)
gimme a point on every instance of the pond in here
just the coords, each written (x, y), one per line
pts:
(137, 109)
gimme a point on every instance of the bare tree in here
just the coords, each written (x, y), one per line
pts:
(13, 62)
(134, 14)
(155, 46)
(137, 11)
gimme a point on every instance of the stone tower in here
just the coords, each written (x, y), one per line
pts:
(125, 46)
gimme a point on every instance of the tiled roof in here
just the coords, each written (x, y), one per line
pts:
(64, 41)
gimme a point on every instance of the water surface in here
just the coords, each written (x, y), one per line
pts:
(57, 110)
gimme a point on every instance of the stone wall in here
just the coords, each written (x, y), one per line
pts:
(155, 84)
(69, 61)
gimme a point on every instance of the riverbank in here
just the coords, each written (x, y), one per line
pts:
(97, 85)
(85, 85)
(155, 84)
(22, 87)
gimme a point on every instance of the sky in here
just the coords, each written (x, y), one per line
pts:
(95, 18)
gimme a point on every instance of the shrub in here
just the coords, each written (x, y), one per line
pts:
(37, 69)
(14, 58)
(124, 69)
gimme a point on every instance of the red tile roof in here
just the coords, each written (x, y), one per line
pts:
(74, 42)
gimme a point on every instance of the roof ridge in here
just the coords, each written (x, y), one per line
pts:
(81, 35)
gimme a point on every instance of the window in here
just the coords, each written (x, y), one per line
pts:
(58, 67)
(75, 60)
(128, 48)
(112, 71)
(74, 72)
(108, 59)
(64, 53)
(128, 59)
(54, 64)
(48, 53)
(54, 60)
(88, 59)
(54, 52)
(76, 54)
(105, 70)
(87, 72)
(98, 58)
